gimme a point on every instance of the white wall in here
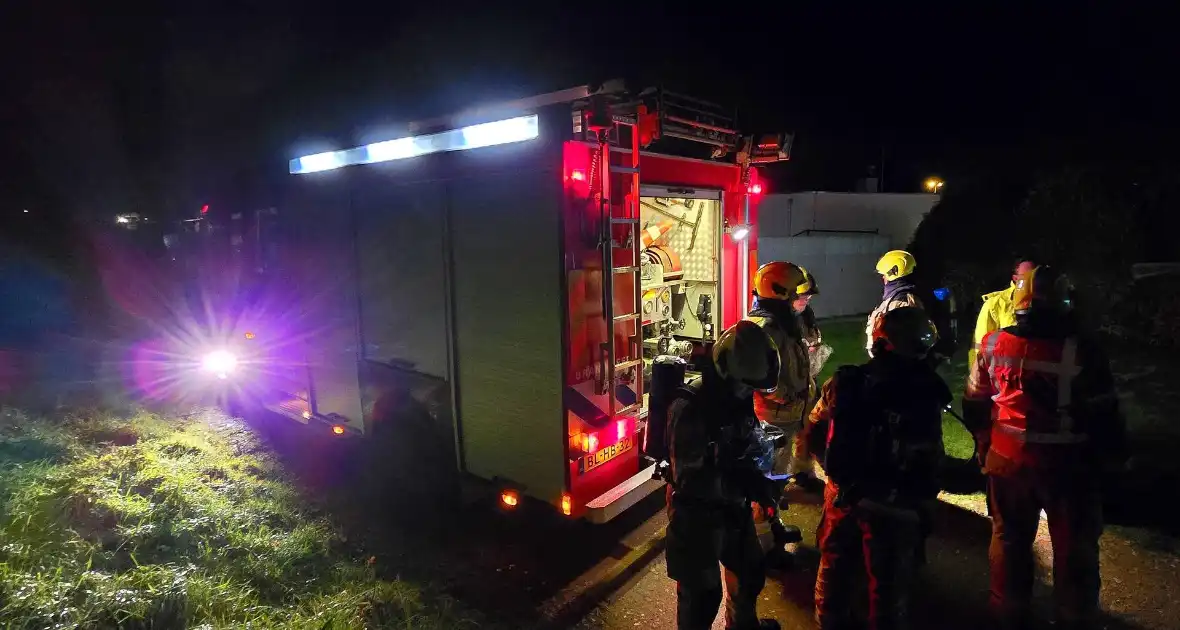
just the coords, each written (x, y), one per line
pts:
(894, 216)
(843, 266)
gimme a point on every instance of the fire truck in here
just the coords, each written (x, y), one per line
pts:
(516, 269)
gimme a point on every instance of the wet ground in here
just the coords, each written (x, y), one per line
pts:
(1139, 590)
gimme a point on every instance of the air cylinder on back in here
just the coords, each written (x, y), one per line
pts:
(667, 376)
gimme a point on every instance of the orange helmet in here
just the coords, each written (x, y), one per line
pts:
(783, 281)
(1042, 287)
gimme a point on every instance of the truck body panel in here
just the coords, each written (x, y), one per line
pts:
(466, 287)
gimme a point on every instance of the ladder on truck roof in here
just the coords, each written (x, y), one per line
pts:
(656, 114)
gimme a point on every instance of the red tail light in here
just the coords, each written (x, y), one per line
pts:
(509, 498)
(755, 189)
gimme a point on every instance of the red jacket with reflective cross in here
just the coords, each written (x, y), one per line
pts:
(1046, 401)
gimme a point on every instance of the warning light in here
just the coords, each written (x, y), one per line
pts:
(622, 428)
(249, 335)
(338, 429)
(205, 209)
(509, 498)
(307, 415)
(578, 175)
(590, 442)
(755, 189)
(567, 504)
(738, 232)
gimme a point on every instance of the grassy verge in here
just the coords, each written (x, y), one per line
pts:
(138, 521)
(847, 338)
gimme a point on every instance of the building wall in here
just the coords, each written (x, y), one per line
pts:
(894, 216)
(843, 266)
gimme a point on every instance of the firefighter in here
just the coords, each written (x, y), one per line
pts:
(882, 458)
(782, 294)
(997, 311)
(895, 268)
(714, 481)
(1041, 397)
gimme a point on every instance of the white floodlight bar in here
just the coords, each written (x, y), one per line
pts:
(489, 134)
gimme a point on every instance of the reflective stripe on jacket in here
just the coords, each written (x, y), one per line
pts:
(1041, 397)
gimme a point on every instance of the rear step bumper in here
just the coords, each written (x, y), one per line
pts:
(616, 500)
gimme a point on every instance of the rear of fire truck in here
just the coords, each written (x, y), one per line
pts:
(512, 274)
(662, 269)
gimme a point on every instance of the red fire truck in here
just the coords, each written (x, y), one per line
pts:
(516, 269)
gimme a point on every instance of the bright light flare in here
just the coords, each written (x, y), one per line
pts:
(934, 184)
(220, 362)
(739, 232)
(567, 504)
(755, 189)
(338, 429)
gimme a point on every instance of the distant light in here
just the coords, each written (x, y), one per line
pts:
(934, 184)
(122, 218)
(338, 429)
(204, 208)
(941, 294)
(489, 134)
(739, 232)
(26, 210)
(567, 504)
(307, 415)
(755, 189)
(249, 335)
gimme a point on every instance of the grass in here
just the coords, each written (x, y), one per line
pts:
(143, 521)
(846, 336)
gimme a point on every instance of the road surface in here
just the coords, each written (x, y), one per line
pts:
(1139, 575)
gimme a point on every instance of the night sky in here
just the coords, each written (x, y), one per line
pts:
(204, 102)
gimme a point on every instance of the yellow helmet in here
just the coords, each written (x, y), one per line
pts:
(896, 264)
(783, 281)
(746, 354)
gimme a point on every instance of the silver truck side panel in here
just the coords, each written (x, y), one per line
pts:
(323, 229)
(401, 271)
(508, 325)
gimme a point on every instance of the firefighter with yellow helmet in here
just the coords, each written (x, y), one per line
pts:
(895, 268)
(714, 481)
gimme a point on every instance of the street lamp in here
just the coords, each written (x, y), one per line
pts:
(934, 185)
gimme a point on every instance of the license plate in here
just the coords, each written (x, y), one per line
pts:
(605, 454)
